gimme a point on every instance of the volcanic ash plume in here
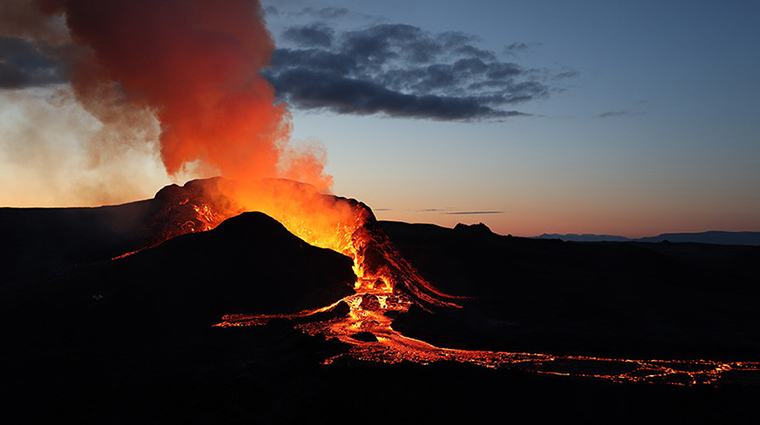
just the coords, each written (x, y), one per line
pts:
(194, 65)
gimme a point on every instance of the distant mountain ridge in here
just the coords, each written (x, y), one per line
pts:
(586, 237)
(711, 237)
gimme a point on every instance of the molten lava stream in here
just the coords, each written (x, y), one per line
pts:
(388, 285)
(375, 297)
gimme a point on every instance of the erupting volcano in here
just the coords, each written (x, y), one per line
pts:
(386, 285)
(263, 267)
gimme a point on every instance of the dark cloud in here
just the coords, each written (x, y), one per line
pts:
(449, 211)
(24, 65)
(473, 212)
(514, 48)
(609, 114)
(500, 70)
(399, 70)
(472, 51)
(314, 35)
(317, 89)
(317, 59)
(619, 113)
(566, 74)
(326, 13)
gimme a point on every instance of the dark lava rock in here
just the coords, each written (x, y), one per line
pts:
(632, 299)
(370, 302)
(364, 336)
(131, 340)
(249, 264)
(39, 241)
(340, 310)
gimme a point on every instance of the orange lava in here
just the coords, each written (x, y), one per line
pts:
(387, 285)
(393, 347)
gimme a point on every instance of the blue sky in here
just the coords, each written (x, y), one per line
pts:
(654, 130)
(628, 117)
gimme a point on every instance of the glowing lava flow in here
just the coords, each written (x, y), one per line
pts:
(388, 285)
(389, 346)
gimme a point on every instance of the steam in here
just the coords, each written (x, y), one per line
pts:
(188, 68)
(54, 153)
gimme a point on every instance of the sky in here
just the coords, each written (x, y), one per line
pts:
(630, 118)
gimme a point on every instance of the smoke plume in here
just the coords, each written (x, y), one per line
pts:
(192, 65)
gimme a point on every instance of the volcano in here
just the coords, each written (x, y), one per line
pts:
(210, 302)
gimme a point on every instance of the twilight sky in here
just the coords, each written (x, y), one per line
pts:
(629, 117)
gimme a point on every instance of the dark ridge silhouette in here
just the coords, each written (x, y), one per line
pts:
(89, 339)
(712, 237)
(36, 241)
(586, 237)
(474, 229)
(600, 299)
(249, 264)
(39, 241)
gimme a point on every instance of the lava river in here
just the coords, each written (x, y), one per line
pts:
(384, 344)
(388, 285)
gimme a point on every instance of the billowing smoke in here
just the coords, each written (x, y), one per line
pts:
(192, 65)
